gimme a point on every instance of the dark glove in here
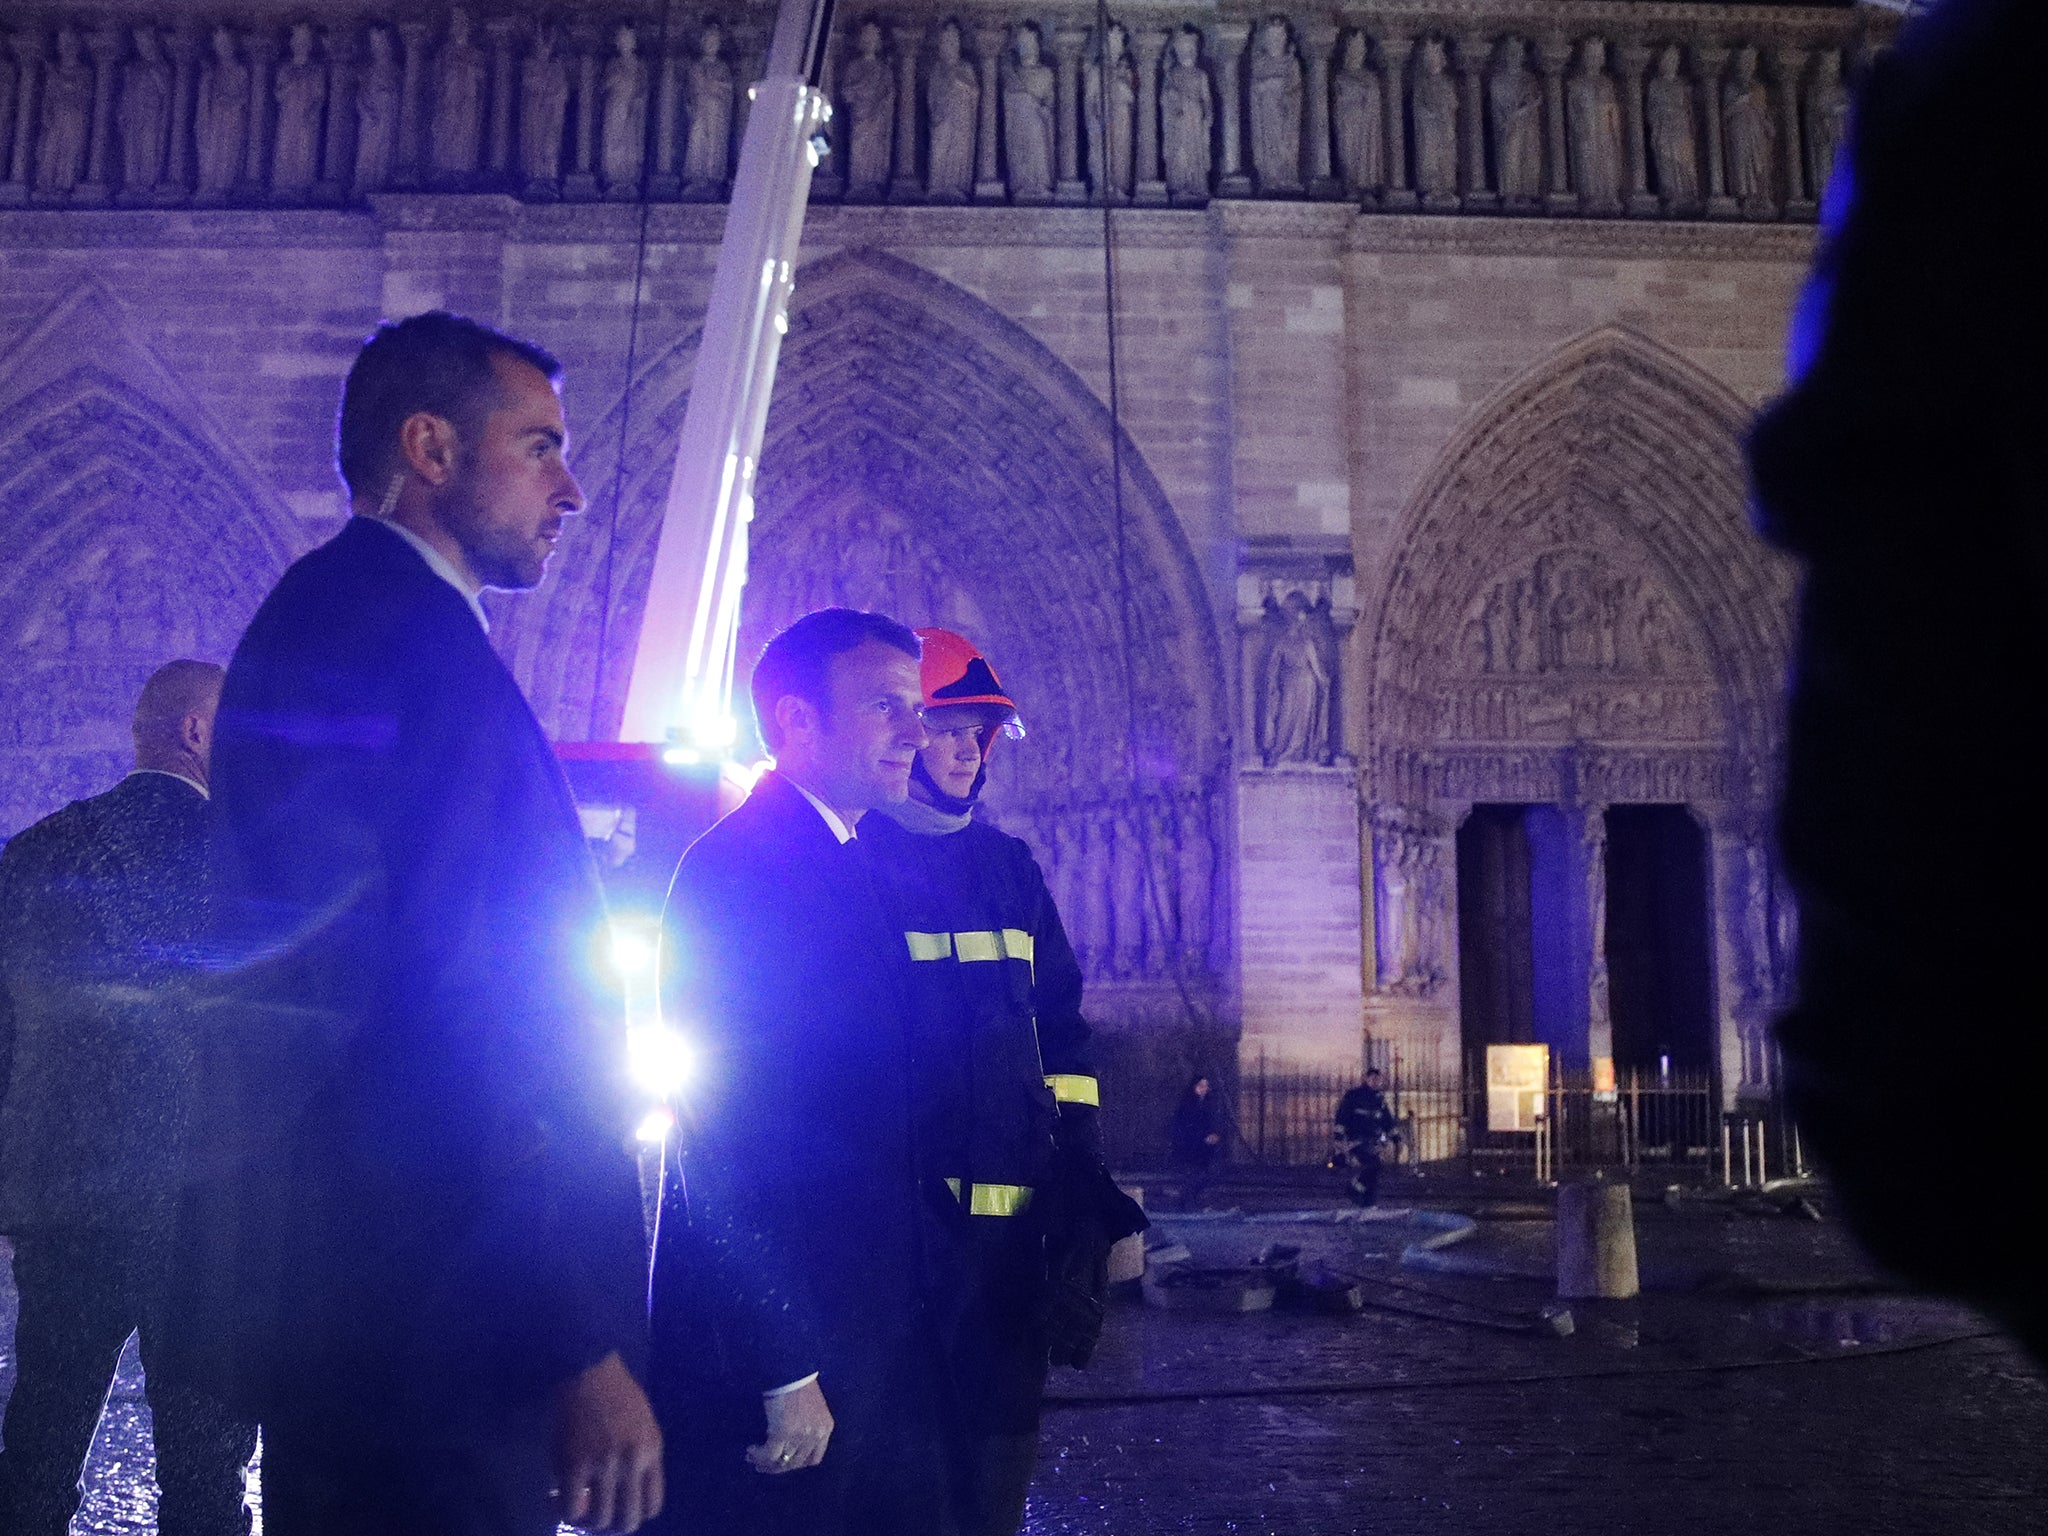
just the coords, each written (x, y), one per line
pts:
(1082, 1221)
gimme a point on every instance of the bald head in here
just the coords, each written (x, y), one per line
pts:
(174, 718)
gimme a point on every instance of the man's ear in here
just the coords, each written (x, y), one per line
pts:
(796, 718)
(430, 446)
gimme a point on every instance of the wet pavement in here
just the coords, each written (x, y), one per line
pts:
(1766, 1381)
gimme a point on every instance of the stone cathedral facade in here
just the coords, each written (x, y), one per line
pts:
(1426, 617)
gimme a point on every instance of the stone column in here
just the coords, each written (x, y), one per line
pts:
(105, 47)
(1788, 64)
(1592, 884)
(1553, 55)
(412, 87)
(1319, 43)
(1231, 37)
(262, 50)
(906, 186)
(1068, 44)
(1711, 61)
(988, 55)
(585, 42)
(1148, 45)
(1394, 54)
(663, 182)
(1632, 60)
(1472, 56)
(337, 155)
(27, 48)
(182, 48)
(503, 31)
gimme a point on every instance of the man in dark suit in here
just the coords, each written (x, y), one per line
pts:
(103, 911)
(419, 1250)
(794, 1358)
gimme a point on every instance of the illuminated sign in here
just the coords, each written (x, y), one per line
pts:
(1516, 1076)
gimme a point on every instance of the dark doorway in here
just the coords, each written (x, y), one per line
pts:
(1515, 961)
(1659, 940)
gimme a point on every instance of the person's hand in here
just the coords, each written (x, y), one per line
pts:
(607, 1450)
(799, 1427)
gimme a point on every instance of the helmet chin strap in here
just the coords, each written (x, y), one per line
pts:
(952, 805)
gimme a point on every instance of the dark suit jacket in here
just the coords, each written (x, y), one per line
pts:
(102, 914)
(801, 1246)
(422, 1206)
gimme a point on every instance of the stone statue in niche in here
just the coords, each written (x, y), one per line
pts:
(1129, 915)
(1432, 911)
(1436, 126)
(457, 137)
(1657, 638)
(1517, 124)
(952, 98)
(1358, 115)
(1827, 120)
(301, 92)
(223, 116)
(1196, 875)
(1187, 108)
(543, 112)
(377, 113)
(1028, 120)
(1294, 688)
(1109, 94)
(709, 92)
(867, 92)
(1673, 132)
(1594, 110)
(1276, 108)
(145, 115)
(1497, 628)
(625, 114)
(1746, 121)
(1398, 928)
(67, 115)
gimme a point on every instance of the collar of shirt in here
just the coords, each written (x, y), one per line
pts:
(839, 828)
(439, 564)
(203, 794)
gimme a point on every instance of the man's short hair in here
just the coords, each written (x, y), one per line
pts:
(438, 363)
(799, 660)
(174, 690)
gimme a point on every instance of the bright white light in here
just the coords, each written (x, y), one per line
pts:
(660, 1060)
(713, 728)
(654, 1128)
(681, 757)
(632, 951)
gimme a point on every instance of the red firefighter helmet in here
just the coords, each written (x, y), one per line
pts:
(954, 673)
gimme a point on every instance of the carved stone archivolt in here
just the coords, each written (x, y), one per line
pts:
(1741, 117)
(925, 455)
(1579, 609)
(134, 535)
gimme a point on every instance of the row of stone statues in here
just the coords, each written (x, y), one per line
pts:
(925, 112)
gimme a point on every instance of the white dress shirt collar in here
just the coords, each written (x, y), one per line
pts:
(442, 567)
(833, 819)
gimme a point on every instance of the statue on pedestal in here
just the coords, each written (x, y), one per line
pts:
(144, 114)
(625, 114)
(707, 153)
(457, 135)
(1517, 124)
(1294, 690)
(1187, 110)
(1358, 114)
(300, 92)
(1109, 95)
(1276, 109)
(1746, 121)
(1827, 121)
(1595, 114)
(867, 93)
(377, 113)
(1436, 125)
(543, 112)
(1028, 120)
(223, 116)
(1674, 132)
(953, 98)
(67, 117)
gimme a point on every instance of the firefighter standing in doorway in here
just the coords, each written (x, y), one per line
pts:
(1005, 1101)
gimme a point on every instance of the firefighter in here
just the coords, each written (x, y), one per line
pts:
(1005, 1103)
(1362, 1125)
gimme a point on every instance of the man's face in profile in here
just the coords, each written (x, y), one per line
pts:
(507, 503)
(872, 732)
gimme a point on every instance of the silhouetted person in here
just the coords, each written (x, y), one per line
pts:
(1362, 1124)
(1195, 1137)
(1902, 469)
(103, 918)
(420, 1251)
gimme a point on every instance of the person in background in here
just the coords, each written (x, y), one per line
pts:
(1362, 1125)
(104, 919)
(1196, 1137)
(1004, 1094)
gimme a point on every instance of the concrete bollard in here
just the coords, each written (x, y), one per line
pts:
(1596, 1242)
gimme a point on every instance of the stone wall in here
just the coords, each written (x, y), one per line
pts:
(1423, 505)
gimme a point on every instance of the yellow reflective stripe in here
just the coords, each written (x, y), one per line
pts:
(930, 946)
(1019, 945)
(984, 944)
(993, 1199)
(1072, 1088)
(978, 946)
